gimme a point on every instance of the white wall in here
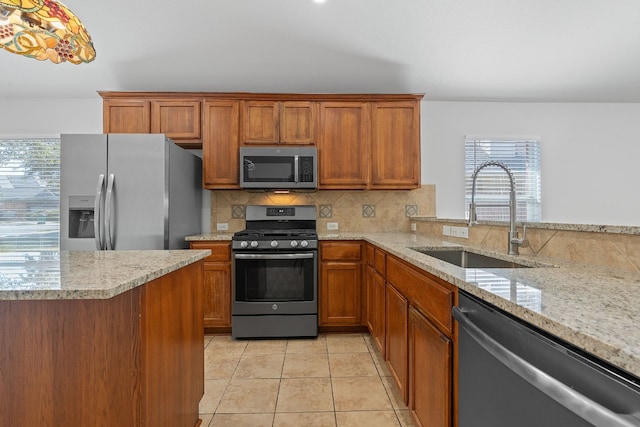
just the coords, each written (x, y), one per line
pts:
(590, 152)
(37, 116)
(590, 155)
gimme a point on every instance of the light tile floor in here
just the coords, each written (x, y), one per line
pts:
(337, 380)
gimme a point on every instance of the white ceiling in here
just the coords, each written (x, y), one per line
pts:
(534, 50)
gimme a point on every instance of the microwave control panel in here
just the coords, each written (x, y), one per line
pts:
(306, 168)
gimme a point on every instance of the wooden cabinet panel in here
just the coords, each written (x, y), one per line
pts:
(271, 122)
(430, 372)
(434, 297)
(260, 122)
(344, 145)
(397, 318)
(220, 150)
(217, 284)
(298, 122)
(340, 299)
(179, 120)
(126, 116)
(375, 297)
(395, 145)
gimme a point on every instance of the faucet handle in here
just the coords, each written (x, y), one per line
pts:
(524, 243)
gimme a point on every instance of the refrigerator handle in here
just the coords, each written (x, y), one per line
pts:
(107, 212)
(97, 214)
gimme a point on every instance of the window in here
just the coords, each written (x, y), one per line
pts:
(522, 156)
(29, 194)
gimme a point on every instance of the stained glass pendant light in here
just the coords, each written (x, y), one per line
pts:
(44, 29)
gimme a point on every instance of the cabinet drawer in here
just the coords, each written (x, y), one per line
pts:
(432, 296)
(379, 260)
(340, 251)
(220, 251)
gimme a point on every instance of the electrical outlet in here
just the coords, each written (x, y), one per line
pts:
(222, 226)
(413, 226)
(332, 226)
(461, 232)
(446, 230)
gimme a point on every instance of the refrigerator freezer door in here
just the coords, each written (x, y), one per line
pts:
(82, 159)
(139, 201)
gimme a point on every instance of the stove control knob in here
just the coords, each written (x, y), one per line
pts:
(304, 244)
(294, 244)
(274, 243)
(244, 244)
(254, 244)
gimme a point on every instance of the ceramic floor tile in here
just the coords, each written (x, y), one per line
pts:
(260, 366)
(405, 418)
(224, 344)
(346, 343)
(305, 395)
(242, 420)
(219, 366)
(381, 364)
(360, 394)
(266, 346)
(305, 365)
(213, 390)
(306, 419)
(206, 419)
(367, 418)
(392, 391)
(249, 396)
(352, 365)
(317, 345)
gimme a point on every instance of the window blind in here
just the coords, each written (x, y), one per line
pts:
(29, 194)
(522, 156)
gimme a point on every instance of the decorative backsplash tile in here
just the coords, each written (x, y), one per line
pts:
(238, 211)
(387, 208)
(368, 211)
(410, 210)
(325, 211)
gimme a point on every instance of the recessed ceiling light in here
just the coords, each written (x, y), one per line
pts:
(319, 1)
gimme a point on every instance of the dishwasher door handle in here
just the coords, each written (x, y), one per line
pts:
(575, 402)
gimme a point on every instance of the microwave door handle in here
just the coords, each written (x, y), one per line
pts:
(296, 168)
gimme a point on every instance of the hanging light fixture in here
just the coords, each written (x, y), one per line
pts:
(44, 29)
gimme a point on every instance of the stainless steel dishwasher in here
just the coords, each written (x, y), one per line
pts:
(511, 374)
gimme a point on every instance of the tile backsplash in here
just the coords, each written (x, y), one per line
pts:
(352, 210)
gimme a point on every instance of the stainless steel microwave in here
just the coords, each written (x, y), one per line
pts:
(279, 167)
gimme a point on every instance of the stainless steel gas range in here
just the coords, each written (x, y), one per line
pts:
(275, 273)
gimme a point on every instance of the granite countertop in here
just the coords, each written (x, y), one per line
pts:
(85, 274)
(593, 308)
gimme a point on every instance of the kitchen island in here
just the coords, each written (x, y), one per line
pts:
(110, 338)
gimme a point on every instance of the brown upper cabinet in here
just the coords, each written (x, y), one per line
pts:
(365, 141)
(179, 119)
(278, 122)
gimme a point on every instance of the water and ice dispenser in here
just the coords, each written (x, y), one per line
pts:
(81, 217)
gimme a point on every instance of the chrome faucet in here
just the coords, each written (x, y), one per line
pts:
(514, 242)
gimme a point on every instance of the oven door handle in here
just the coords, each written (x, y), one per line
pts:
(305, 255)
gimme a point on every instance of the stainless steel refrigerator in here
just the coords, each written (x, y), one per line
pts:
(127, 191)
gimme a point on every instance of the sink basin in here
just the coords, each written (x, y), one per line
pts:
(466, 259)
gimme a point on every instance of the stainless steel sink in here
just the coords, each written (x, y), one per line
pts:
(466, 259)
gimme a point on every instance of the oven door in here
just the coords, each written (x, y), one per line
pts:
(275, 283)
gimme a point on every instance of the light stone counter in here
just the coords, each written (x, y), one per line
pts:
(595, 309)
(85, 274)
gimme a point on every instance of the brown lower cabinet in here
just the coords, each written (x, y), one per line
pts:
(397, 315)
(217, 285)
(429, 373)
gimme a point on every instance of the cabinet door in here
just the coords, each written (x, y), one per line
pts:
(297, 122)
(397, 318)
(340, 293)
(375, 297)
(343, 145)
(220, 149)
(179, 120)
(260, 122)
(121, 116)
(217, 294)
(430, 372)
(395, 145)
